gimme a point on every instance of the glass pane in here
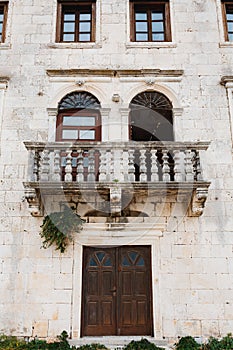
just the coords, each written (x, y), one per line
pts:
(70, 134)
(141, 262)
(141, 16)
(108, 262)
(158, 37)
(85, 17)
(157, 27)
(69, 17)
(87, 134)
(69, 27)
(230, 16)
(78, 121)
(133, 256)
(74, 162)
(230, 26)
(85, 162)
(230, 37)
(0, 27)
(93, 262)
(156, 16)
(0, 37)
(100, 256)
(85, 27)
(84, 37)
(125, 261)
(68, 37)
(1, 17)
(141, 37)
(141, 26)
(63, 161)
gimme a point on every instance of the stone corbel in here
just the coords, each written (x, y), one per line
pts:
(198, 200)
(34, 202)
(115, 201)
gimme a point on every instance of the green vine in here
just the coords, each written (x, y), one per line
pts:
(58, 228)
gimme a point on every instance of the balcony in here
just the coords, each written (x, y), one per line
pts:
(115, 169)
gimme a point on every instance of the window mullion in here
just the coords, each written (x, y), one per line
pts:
(149, 16)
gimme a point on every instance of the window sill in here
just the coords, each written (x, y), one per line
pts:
(226, 44)
(152, 45)
(5, 46)
(91, 45)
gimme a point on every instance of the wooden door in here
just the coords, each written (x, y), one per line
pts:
(117, 291)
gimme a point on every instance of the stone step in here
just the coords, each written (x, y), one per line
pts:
(116, 343)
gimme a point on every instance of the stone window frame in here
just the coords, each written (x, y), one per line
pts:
(90, 6)
(227, 81)
(149, 6)
(4, 9)
(224, 5)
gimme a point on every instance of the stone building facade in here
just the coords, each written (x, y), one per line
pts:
(122, 110)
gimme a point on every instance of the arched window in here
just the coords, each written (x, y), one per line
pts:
(78, 118)
(151, 117)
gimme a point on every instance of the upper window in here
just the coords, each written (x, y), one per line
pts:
(227, 7)
(76, 21)
(78, 118)
(150, 21)
(3, 15)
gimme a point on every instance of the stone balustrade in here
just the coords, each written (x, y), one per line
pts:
(115, 162)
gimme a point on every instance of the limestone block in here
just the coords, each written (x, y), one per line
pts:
(63, 281)
(205, 297)
(205, 311)
(191, 327)
(56, 327)
(215, 265)
(181, 251)
(210, 328)
(203, 281)
(40, 329)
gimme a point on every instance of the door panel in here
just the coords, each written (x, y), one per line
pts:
(117, 291)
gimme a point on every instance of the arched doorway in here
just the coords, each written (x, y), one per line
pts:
(150, 117)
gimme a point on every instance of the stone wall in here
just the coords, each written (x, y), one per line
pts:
(192, 257)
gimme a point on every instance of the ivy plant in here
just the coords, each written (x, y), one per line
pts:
(58, 228)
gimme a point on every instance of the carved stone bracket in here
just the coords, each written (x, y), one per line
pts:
(115, 200)
(198, 201)
(34, 202)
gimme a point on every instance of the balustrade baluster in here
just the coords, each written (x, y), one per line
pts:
(111, 162)
(131, 168)
(33, 165)
(80, 168)
(165, 168)
(198, 167)
(102, 166)
(143, 170)
(68, 167)
(189, 175)
(45, 166)
(56, 169)
(91, 166)
(154, 166)
(177, 166)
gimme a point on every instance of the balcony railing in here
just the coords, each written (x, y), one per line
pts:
(113, 165)
(118, 162)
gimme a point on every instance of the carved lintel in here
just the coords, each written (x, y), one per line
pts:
(34, 202)
(115, 200)
(198, 201)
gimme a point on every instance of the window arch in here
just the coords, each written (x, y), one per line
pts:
(78, 118)
(151, 117)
